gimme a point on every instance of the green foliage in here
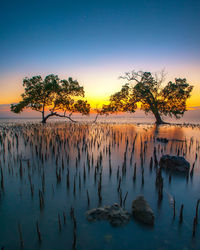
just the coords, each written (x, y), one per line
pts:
(53, 95)
(147, 89)
(120, 102)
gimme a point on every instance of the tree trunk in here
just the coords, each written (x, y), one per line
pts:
(44, 119)
(158, 118)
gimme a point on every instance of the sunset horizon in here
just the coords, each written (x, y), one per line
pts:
(97, 99)
(97, 42)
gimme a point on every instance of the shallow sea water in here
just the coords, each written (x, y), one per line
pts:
(31, 154)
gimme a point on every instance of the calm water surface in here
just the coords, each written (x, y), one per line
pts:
(32, 154)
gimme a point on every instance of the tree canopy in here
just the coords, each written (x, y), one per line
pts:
(52, 97)
(148, 90)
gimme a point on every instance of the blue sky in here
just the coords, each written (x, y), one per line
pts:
(96, 41)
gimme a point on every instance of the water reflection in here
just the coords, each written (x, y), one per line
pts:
(51, 175)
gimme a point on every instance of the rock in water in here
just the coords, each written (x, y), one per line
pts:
(175, 163)
(115, 214)
(142, 211)
(163, 140)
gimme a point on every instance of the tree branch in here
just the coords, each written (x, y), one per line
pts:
(65, 116)
(96, 118)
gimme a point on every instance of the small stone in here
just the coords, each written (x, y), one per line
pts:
(142, 211)
(115, 214)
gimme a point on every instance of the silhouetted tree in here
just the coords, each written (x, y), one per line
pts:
(52, 96)
(146, 89)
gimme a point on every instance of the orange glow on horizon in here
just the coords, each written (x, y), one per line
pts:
(97, 102)
(98, 89)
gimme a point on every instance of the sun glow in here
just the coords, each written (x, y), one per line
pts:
(97, 89)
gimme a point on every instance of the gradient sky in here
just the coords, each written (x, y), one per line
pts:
(96, 41)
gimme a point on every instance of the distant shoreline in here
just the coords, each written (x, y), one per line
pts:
(60, 121)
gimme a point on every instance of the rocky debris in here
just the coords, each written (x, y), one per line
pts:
(175, 163)
(115, 214)
(142, 211)
(163, 140)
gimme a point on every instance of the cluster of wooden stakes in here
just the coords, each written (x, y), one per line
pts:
(87, 147)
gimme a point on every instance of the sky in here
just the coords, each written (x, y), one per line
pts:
(97, 41)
